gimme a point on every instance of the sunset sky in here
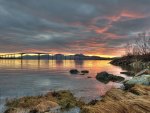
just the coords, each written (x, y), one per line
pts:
(92, 27)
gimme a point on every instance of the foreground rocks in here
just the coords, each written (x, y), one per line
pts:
(143, 80)
(105, 77)
(135, 100)
(50, 103)
(84, 71)
(75, 71)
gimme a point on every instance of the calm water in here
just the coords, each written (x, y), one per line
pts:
(31, 77)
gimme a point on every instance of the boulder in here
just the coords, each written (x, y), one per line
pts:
(84, 71)
(143, 80)
(105, 77)
(74, 71)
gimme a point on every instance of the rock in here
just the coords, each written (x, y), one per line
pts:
(145, 71)
(143, 80)
(116, 78)
(85, 71)
(127, 73)
(105, 77)
(74, 71)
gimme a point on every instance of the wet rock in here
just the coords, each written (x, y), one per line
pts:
(74, 71)
(105, 77)
(85, 71)
(143, 80)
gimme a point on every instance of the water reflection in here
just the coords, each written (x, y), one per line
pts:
(33, 77)
(60, 65)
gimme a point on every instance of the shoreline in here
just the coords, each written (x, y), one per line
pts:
(57, 102)
(61, 101)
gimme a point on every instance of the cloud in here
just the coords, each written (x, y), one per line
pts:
(71, 26)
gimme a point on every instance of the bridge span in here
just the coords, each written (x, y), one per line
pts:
(20, 55)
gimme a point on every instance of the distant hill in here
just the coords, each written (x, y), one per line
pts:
(67, 57)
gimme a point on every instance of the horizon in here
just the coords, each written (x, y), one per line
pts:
(92, 27)
(53, 54)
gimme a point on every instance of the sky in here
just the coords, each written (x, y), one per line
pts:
(92, 27)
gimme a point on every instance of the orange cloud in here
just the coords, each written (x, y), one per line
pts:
(127, 14)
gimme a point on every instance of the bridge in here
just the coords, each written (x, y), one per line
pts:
(48, 56)
(20, 55)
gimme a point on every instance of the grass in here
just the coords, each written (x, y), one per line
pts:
(135, 100)
(64, 99)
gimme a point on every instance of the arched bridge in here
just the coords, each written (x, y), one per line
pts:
(20, 55)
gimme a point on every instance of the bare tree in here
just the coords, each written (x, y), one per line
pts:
(141, 46)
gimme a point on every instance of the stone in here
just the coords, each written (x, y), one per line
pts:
(105, 77)
(74, 71)
(85, 71)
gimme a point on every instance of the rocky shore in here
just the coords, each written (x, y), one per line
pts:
(131, 62)
(133, 98)
(52, 102)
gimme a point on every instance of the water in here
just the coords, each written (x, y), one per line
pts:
(31, 77)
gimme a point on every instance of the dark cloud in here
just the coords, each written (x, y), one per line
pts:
(71, 26)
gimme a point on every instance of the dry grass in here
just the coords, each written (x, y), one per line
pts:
(118, 101)
(65, 99)
(140, 90)
(29, 102)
